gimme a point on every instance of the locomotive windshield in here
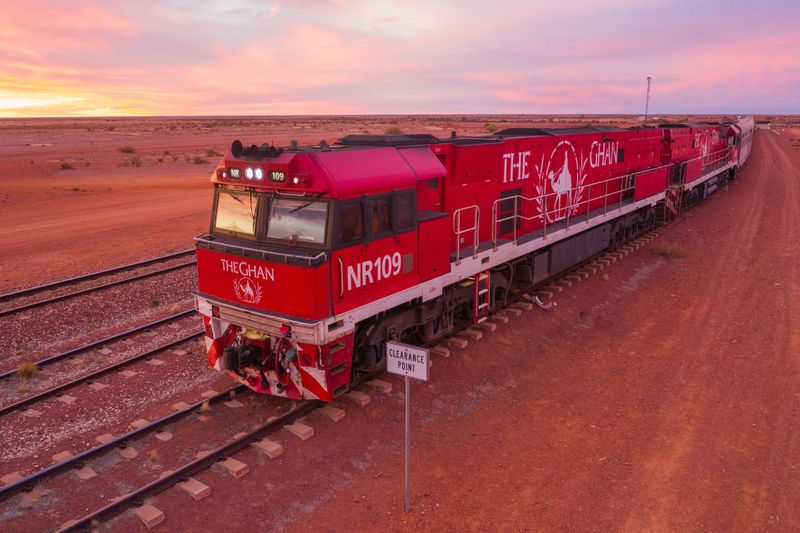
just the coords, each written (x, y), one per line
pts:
(236, 211)
(302, 221)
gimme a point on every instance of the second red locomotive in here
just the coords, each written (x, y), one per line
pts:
(316, 256)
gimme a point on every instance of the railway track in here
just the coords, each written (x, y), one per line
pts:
(181, 474)
(25, 299)
(58, 389)
(43, 363)
(77, 461)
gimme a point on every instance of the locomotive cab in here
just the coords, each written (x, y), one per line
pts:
(301, 245)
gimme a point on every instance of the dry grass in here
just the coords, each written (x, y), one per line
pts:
(153, 456)
(127, 149)
(134, 161)
(394, 130)
(669, 250)
(206, 407)
(490, 127)
(26, 369)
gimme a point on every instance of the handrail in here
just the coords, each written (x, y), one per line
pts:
(458, 231)
(627, 183)
(285, 255)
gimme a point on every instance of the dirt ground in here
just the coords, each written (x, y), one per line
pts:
(661, 395)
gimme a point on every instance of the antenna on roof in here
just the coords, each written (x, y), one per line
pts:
(647, 99)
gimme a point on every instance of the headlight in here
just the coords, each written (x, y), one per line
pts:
(259, 174)
(249, 173)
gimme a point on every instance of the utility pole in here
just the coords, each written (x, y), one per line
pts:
(647, 100)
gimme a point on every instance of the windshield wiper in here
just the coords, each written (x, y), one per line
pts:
(229, 193)
(303, 206)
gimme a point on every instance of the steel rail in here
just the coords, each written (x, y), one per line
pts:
(105, 370)
(57, 357)
(80, 292)
(78, 460)
(181, 474)
(83, 277)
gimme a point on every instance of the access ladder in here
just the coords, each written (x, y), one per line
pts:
(481, 301)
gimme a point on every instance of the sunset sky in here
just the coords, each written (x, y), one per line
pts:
(242, 57)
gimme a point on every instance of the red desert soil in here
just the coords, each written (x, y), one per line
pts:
(664, 397)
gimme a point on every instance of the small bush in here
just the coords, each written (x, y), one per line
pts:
(212, 153)
(154, 303)
(205, 407)
(136, 161)
(160, 159)
(197, 160)
(66, 166)
(127, 149)
(669, 250)
(491, 128)
(153, 456)
(26, 369)
(166, 152)
(394, 130)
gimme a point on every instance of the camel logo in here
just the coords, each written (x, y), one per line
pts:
(561, 182)
(247, 290)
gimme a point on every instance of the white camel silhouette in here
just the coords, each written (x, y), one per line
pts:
(247, 290)
(561, 185)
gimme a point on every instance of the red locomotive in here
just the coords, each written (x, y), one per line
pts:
(316, 256)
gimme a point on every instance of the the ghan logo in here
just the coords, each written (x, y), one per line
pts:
(247, 290)
(561, 182)
(370, 271)
(603, 153)
(243, 268)
(516, 166)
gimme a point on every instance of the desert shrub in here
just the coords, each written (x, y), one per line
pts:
(669, 250)
(154, 303)
(393, 130)
(66, 166)
(212, 153)
(491, 128)
(160, 159)
(26, 369)
(136, 161)
(197, 160)
(127, 149)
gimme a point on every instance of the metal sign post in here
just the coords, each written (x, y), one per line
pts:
(411, 362)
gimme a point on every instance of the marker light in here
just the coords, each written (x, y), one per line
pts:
(259, 174)
(221, 173)
(301, 180)
(249, 173)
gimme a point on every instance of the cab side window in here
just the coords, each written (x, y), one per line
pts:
(405, 211)
(351, 222)
(381, 216)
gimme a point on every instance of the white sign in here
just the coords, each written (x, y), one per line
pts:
(406, 360)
